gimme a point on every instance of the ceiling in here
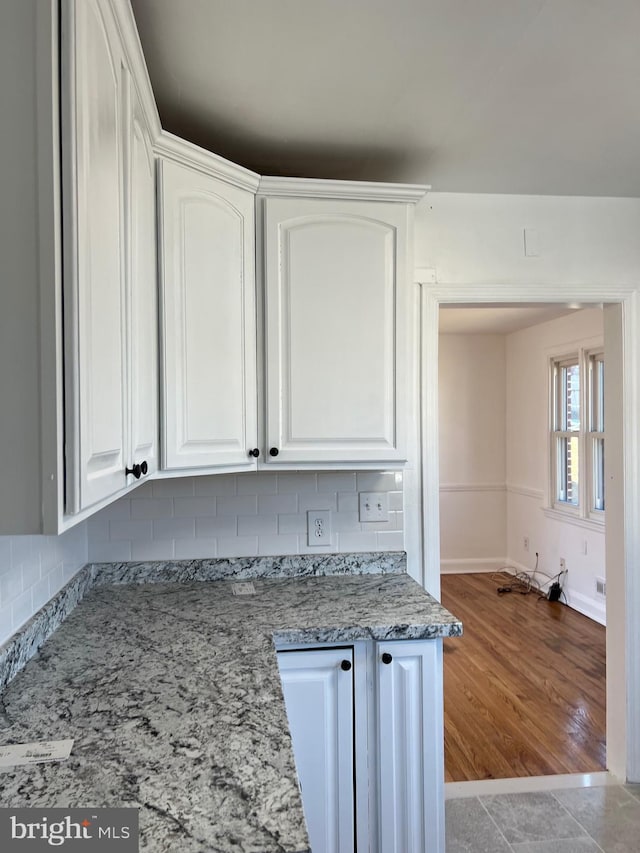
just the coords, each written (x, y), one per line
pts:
(504, 96)
(497, 319)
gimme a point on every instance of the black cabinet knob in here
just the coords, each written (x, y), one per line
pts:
(345, 665)
(144, 468)
(255, 452)
(386, 657)
(136, 471)
(273, 451)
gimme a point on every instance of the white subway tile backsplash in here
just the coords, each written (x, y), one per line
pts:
(395, 500)
(344, 522)
(278, 545)
(217, 484)
(318, 501)
(377, 481)
(207, 528)
(194, 507)
(40, 593)
(109, 552)
(391, 540)
(357, 542)
(32, 570)
(348, 502)
(262, 483)
(174, 528)
(277, 504)
(297, 484)
(238, 546)
(152, 507)
(22, 550)
(131, 530)
(195, 549)
(158, 549)
(288, 524)
(255, 525)
(234, 515)
(173, 487)
(22, 608)
(337, 481)
(10, 585)
(240, 505)
(31, 573)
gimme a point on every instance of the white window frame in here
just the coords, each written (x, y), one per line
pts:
(595, 434)
(590, 439)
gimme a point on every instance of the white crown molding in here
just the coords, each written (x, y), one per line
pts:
(128, 30)
(354, 190)
(473, 487)
(179, 150)
(525, 491)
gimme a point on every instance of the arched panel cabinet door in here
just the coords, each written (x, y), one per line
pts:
(95, 281)
(208, 376)
(336, 295)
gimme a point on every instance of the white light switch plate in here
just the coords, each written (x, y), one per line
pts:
(374, 506)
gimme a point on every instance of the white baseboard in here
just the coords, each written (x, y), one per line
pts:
(582, 603)
(587, 606)
(469, 566)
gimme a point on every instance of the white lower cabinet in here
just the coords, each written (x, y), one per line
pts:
(366, 726)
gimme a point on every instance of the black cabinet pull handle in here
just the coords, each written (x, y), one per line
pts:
(345, 665)
(386, 657)
(255, 452)
(274, 451)
(136, 470)
(144, 468)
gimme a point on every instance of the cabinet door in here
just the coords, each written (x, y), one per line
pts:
(143, 288)
(94, 281)
(409, 698)
(336, 290)
(208, 321)
(318, 694)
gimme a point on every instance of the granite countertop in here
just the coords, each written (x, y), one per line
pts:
(172, 694)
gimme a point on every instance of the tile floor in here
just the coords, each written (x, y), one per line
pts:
(583, 820)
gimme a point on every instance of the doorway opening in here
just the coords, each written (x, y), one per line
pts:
(622, 548)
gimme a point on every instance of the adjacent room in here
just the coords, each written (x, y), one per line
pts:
(521, 397)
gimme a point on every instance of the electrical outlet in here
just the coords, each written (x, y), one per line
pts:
(525, 542)
(318, 527)
(374, 506)
(563, 564)
(601, 587)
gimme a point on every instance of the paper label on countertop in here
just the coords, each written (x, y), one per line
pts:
(243, 588)
(35, 753)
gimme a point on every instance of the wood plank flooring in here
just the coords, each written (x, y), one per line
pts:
(524, 687)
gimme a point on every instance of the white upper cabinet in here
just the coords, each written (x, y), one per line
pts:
(110, 304)
(336, 291)
(143, 291)
(208, 326)
(96, 408)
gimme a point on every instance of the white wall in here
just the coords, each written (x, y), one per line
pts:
(472, 451)
(32, 570)
(528, 353)
(478, 239)
(236, 515)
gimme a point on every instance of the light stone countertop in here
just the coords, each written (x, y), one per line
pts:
(172, 694)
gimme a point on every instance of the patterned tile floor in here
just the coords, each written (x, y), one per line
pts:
(575, 820)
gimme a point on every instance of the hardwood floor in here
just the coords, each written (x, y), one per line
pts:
(524, 687)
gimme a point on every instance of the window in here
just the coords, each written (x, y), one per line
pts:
(577, 434)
